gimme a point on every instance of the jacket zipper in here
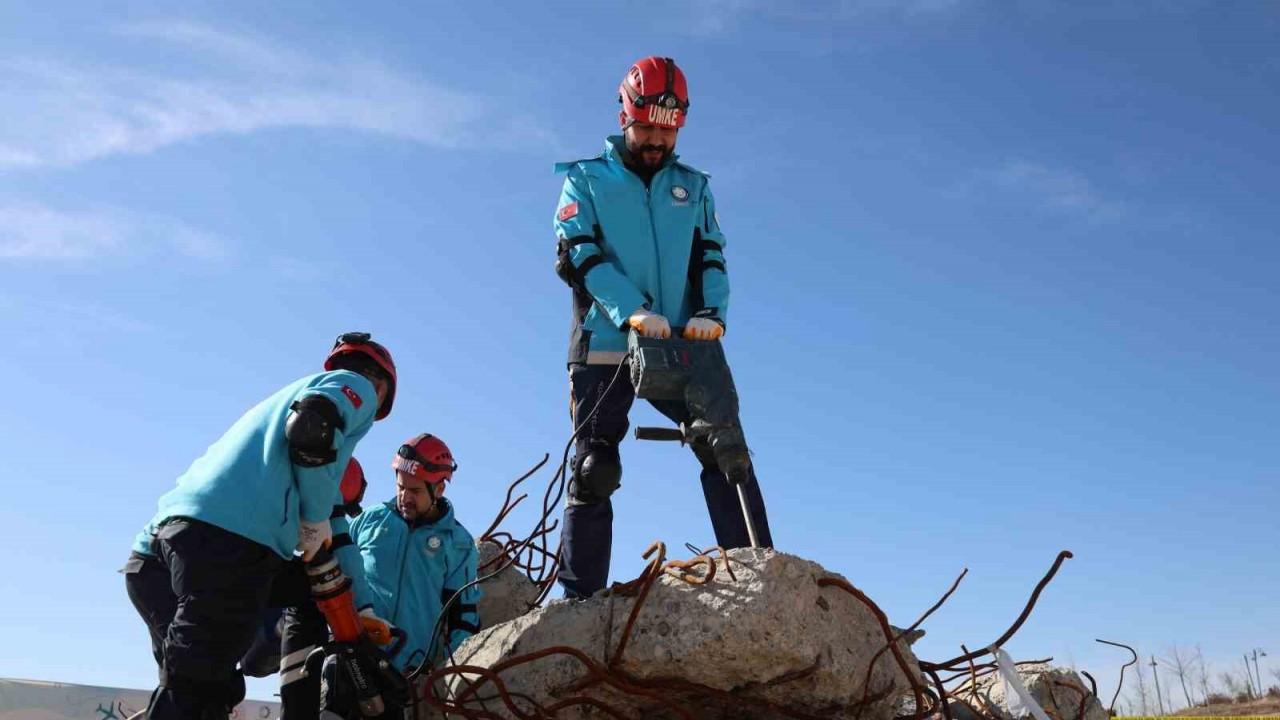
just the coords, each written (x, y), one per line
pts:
(404, 552)
(653, 234)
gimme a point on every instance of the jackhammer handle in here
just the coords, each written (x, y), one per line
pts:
(659, 433)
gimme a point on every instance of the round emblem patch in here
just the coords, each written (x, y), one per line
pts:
(679, 193)
(433, 543)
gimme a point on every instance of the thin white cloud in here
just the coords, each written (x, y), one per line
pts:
(59, 114)
(242, 50)
(33, 231)
(1057, 189)
(60, 328)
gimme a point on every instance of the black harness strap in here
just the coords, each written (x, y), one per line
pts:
(587, 265)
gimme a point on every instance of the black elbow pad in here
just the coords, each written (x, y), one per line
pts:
(572, 276)
(310, 430)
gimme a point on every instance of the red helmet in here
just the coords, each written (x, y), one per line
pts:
(362, 344)
(654, 91)
(426, 457)
(353, 483)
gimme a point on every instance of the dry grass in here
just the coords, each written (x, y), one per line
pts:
(1262, 707)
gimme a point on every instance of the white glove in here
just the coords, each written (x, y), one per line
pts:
(650, 325)
(703, 329)
(312, 536)
(376, 628)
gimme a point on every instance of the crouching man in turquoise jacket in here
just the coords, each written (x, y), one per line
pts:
(417, 557)
(201, 571)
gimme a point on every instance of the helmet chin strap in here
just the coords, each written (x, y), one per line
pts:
(435, 499)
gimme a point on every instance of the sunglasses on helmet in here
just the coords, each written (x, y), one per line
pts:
(663, 99)
(409, 453)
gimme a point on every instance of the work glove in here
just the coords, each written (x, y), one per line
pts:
(700, 328)
(312, 536)
(376, 628)
(649, 324)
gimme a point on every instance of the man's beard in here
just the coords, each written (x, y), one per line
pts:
(639, 158)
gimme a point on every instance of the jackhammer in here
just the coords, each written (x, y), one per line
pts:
(360, 663)
(697, 373)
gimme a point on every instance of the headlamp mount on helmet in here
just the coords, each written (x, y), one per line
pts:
(667, 98)
(666, 107)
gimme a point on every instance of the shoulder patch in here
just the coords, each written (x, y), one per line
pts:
(568, 211)
(353, 396)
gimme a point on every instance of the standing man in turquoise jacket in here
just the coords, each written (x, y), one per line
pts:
(266, 488)
(639, 242)
(417, 556)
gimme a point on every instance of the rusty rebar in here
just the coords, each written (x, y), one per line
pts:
(659, 552)
(1084, 696)
(1093, 684)
(507, 504)
(1111, 710)
(888, 633)
(1026, 612)
(866, 680)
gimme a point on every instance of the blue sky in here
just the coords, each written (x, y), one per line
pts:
(1004, 283)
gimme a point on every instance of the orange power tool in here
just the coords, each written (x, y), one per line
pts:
(331, 589)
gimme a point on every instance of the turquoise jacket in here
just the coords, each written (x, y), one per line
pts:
(245, 482)
(412, 571)
(631, 246)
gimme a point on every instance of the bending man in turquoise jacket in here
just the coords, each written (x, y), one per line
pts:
(266, 488)
(417, 556)
(639, 242)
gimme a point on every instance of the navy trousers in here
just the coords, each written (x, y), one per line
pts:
(587, 534)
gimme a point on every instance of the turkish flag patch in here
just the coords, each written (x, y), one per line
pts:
(569, 211)
(353, 396)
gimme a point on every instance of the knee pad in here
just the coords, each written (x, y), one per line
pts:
(598, 473)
